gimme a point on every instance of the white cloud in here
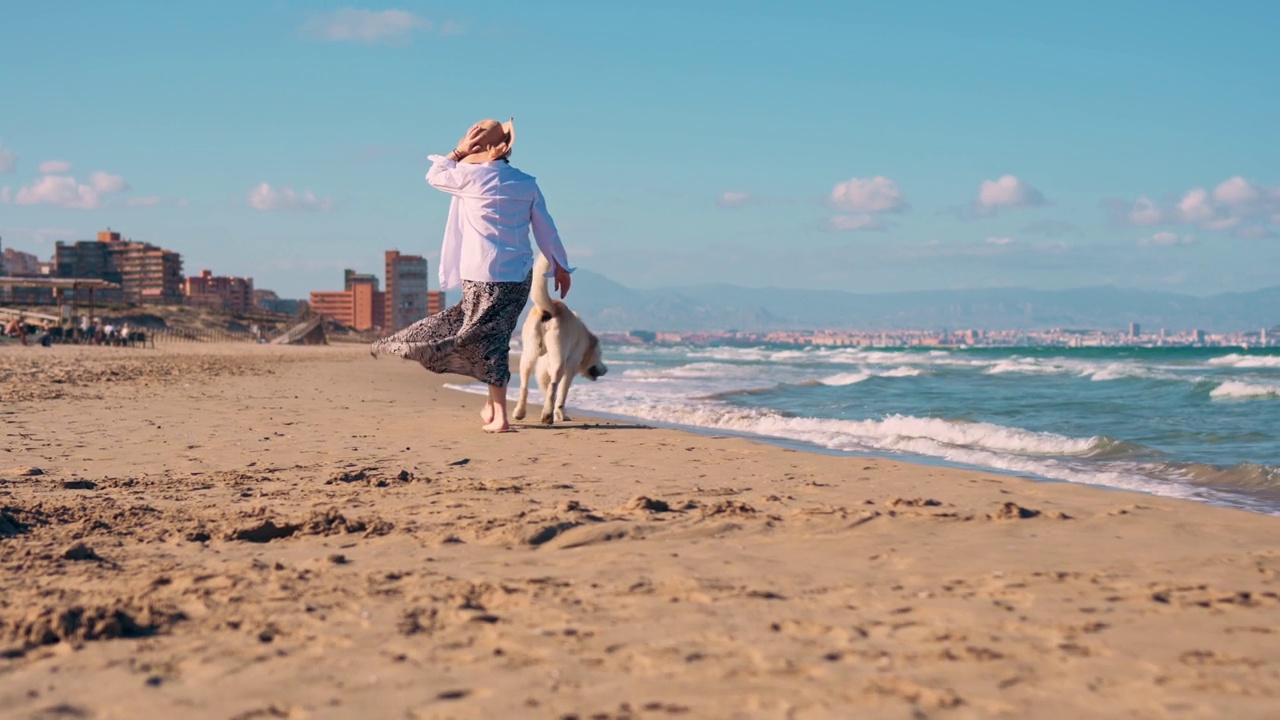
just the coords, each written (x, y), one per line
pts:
(1232, 203)
(1195, 206)
(868, 195)
(145, 201)
(367, 26)
(1166, 239)
(999, 240)
(1008, 191)
(863, 221)
(106, 183)
(59, 191)
(8, 160)
(54, 167)
(265, 197)
(1237, 191)
(733, 199)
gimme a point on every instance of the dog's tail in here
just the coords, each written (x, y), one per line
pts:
(541, 298)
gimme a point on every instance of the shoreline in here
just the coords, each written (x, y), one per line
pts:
(1225, 497)
(257, 531)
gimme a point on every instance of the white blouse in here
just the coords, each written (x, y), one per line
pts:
(486, 237)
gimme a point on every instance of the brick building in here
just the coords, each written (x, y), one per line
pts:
(360, 305)
(220, 292)
(408, 299)
(88, 259)
(146, 273)
(351, 277)
(435, 302)
(360, 308)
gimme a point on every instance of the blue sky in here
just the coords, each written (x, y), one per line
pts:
(863, 146)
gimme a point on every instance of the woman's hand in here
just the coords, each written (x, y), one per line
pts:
(562, 280)
(470, 143)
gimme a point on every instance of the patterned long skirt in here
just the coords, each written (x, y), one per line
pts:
(472, 338)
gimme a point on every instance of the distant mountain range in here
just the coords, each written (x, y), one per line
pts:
(610, 306)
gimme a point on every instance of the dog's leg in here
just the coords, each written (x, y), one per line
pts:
(548, 417)
(555, 369)
(545, 387)
(528, 360)
(563, 397)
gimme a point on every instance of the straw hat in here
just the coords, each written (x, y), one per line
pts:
(494, 140)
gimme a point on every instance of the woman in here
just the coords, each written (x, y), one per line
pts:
(486, 251)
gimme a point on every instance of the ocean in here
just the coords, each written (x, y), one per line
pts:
(1197, 424)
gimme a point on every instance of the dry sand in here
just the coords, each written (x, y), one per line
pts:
(260, 532)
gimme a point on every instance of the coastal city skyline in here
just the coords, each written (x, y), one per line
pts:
(132, 276)
(147, 275)
(852, 148)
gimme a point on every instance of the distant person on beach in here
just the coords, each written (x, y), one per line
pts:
(486, 251)
(18, 328)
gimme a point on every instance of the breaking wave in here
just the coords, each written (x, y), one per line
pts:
(840, 379)
(1236, 390)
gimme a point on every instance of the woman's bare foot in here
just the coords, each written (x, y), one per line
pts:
(495, 411)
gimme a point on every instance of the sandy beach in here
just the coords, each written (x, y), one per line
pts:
(233, 531)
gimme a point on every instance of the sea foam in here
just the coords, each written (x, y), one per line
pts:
(1024, 365)
(840, 379)
(1236, 390)
(902, 371)
(1247, 361)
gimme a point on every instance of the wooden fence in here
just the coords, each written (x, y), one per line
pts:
(176, 335)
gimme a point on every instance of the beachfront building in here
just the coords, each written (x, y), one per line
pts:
(407, 296)
(18, 264)
(435, 302)
(219, 292)
(360, 305)
(351, 278)
(146, 274)
(88, 259)
(15, 263)
(149, 275)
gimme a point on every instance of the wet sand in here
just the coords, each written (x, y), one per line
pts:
(255, 532)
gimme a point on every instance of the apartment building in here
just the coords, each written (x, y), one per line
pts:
(146, 274)
(406, 296)
(220, 292)
(360, 307)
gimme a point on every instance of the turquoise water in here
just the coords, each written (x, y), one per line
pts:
(1198, 424)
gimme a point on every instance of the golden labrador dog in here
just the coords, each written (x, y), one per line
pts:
(558, 345)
